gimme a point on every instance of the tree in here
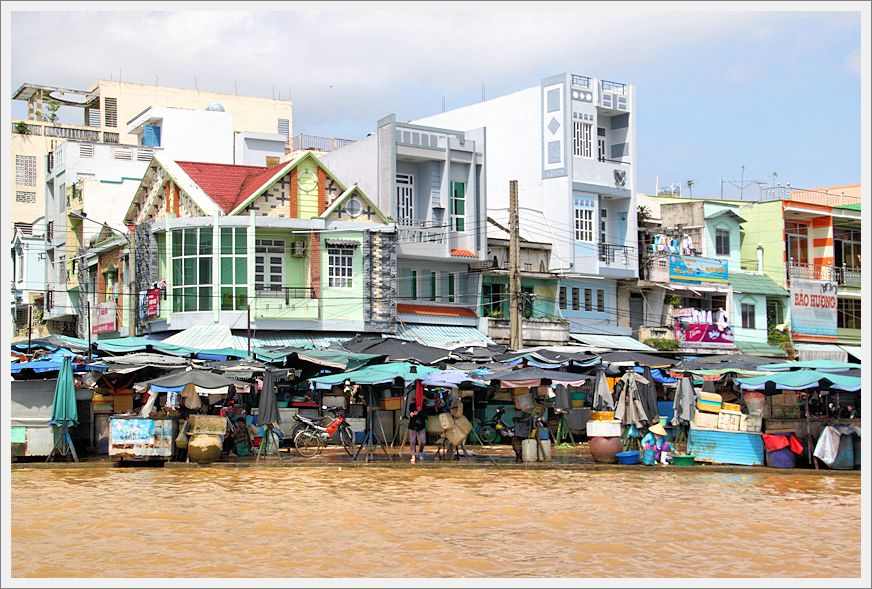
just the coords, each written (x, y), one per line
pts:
(50, 111)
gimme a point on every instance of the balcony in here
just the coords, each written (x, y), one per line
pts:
(847, 276)
(617, 256)
(317, 143)
(286, 302)
(535, 332)
(63, 131)
(422, 238)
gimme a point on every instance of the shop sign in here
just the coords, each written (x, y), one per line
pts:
(813, 307)
(704, 333)
(105, 318)
(152, 303)
(696, 270)
(141, 437)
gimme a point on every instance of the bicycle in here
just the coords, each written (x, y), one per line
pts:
(310, 437)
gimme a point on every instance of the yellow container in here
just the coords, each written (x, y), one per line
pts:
(731, 407)
(578, 403)
(392, 403)
(601, 415)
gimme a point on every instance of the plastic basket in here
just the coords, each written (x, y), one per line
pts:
(683, 460)
(628, 457)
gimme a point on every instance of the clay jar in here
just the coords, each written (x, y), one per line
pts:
(604, 449)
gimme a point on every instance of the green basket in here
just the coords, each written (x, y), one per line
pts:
(577, 395)
(685, 460)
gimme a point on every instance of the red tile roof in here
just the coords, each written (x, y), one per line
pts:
(463, 254)
(440, 310)
(227, 184)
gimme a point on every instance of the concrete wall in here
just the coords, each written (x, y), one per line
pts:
(253, 151)
(759, 333)
(36, 147)
(764, 224)
(192, 135)
(357, 163)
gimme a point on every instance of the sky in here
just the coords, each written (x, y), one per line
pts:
(772, 90)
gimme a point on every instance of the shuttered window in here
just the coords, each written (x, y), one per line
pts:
(110, 112)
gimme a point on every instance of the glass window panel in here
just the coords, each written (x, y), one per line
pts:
(241, 271)
(178, 299)
(240, 240)
(190, 242)
(226, 270)
(177, 243)
(205, 270)
(226, 298)
(241, 298)
(205, 298)
(190, 271)
(190, 299)
(177, 272)
(205, 241)
(226, 240)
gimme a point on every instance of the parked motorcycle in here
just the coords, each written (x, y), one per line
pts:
(495, 428)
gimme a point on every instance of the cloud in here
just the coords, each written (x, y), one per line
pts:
(852, 61)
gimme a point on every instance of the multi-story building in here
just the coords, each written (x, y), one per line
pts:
(809, 243)
(432, 180)
(570, 143)
(28, 274)
(283, 250)
(107, 107)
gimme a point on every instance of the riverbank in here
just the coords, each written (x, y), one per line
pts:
(502, 457)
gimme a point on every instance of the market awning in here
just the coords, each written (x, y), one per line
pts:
(397, 350)
(819, 365)
(380, 374)
(854, 351)
(800, 380)
(633, 358)
(820, 352)
(533, 377)
(611, 342)
(443, 336)
(760, 349)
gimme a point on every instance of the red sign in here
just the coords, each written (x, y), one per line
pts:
(152, 303)
(705, 333)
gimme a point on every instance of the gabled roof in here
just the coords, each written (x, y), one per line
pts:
(228, 185)
(751, 283)
(353, 189)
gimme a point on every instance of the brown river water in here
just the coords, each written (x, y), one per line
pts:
(431, 522)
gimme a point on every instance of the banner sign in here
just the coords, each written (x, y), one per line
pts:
(141, 437)
(696, 270)
(105, 318)
(704, 333)
(152, 303)
(813, 307)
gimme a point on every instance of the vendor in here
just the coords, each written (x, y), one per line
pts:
(417, 433)
(238, 442)
(655, 440)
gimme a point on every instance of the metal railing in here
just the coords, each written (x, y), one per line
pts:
(415, 231)
(580, 81)
(614, 87)
(318, 143)
(814, 197)
(64, 131)
(285, 292)
(842, 275)
(614, 254)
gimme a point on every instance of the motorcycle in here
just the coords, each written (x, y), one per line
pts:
(309, 437)
(495, 428)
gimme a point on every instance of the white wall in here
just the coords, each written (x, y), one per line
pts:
(196, 135)
(253, 151)
(358, 163)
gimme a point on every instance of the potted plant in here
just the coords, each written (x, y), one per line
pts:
(21, 128)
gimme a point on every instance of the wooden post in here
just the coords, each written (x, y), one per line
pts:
(516, 340)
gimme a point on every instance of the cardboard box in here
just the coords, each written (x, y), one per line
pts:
(706, 420)
(751, 424)
(729, 420)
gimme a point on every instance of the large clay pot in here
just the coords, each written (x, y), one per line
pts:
(204, 448)
(605, 449)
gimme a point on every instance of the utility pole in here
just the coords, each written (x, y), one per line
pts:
(88, 312)
(516, 341)
(248, 329)
(29, 327)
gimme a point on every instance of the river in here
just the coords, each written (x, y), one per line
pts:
(372, 521)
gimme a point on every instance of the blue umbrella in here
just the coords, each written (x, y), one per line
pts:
(63, 410)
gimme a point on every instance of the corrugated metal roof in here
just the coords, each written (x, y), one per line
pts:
(442, 336)
(755, 284)
(724, 447)
(611, 342)
(760, 349)
(216, 337)
(821, 352)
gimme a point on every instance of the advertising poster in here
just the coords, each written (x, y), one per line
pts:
(696, 270)
(813, 307)
(704, 333)
(104, 318)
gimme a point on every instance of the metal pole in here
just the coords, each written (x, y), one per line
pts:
(88, 311)
(248, 317)
(516, 340)
(29, 327)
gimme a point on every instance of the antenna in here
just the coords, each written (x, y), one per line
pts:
(443, 103)
(690, 187)
(482, 91)
(195, 84)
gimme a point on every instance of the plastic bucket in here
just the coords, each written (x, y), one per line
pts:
(683, 460)
(648, 457)
(546, 448)
(783, 458)
(628, 457)
(529, 450)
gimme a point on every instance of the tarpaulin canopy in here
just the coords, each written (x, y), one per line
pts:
(633, 358)
(736, 362)
(800, 380)
(379, 374)
(533, 377)
(198, 378)
(451, 379)
(221, 354)
(44, 366)
(657, 374)
(63, 406)
(546, 358)
(397, 350)
(820, 365)
(333, 358)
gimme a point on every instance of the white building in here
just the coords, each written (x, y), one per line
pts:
(570, 143)
(28, 271)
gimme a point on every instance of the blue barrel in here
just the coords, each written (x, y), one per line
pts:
(784, 458)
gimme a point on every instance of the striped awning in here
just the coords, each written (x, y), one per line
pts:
(342, 243)
(821, 352)
(611, 342)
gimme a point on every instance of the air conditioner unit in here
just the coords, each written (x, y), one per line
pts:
(298, 249)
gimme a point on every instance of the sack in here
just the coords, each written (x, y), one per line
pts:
(182, 438)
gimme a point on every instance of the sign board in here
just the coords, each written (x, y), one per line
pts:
(704, 333)
(141, 437)
(105, 318)
(697, 270)
(152, 302)
(207, 424)
(813, 307)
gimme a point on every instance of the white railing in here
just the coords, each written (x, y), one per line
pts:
(415, 231)
(318, 143)
(842, 275)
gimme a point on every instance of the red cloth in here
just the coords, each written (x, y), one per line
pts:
(773, 443)
(419, 394)
(795, 445)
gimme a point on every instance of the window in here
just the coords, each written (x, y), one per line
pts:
(269, 265)
(583, 223)
(234, 268)
(603, 223)
(283, 127)
(600, 143)
(432, 286)
(493, 297)
(588, 300)
(581, 139)
(272, 160)
(562, 298)
(458, 206)
(340, 272)
(192, 269)
(405, 197)
(28, 197)
(575, 305)
(110, 112)
(722, 242)
(797, 242)
(600, 300)
(86, 151)
(25, 170)
(414, 285)
(448, 287)
(774, 311)
(846, 248)
(527, 301)
(20, 265)
(151, 135)
(848, 313)
(748, 312)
